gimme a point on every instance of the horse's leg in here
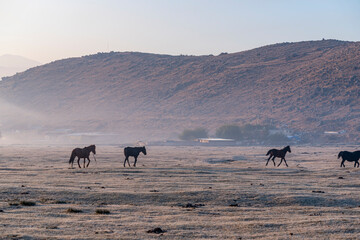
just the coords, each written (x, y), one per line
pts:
(342, 163)
(268, 161)
(135, 161)
(125, 161)
(280, 161)
(128, 162)
(79, 162)
(88, 162)
(285, 162)
(273, 159)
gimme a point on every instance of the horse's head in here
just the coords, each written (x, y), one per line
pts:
(93, 149)
(340, 154)
(143, 150)
(288, 149)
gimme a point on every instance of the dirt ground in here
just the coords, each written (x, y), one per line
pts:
(188, 192)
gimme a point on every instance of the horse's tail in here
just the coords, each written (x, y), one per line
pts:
(268, 152)
(72, 157)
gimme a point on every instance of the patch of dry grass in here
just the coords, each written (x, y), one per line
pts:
(195, 199)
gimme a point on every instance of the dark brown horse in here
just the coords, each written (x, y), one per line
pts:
(349, 156)
(82, 153)
(278, 153)
(134, 152)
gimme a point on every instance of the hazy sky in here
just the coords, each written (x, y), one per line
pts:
(47, 30)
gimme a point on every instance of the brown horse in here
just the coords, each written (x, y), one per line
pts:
(82, 153)
(278, 153)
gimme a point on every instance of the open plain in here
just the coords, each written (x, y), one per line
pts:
(188, 192)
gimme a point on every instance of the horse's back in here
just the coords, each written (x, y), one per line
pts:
(79, 152)
(271, 151)
(75, 151)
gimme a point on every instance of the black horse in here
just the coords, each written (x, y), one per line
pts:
(278, 153)
(134, 152)
(82, 153)
(349, 156)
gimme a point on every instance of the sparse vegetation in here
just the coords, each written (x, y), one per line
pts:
(237, 184)
(192, 134)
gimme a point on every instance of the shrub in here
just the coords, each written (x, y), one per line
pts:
(102, 211)
(73, 210)
(229, 131)
(27, 203)
(255, 132)
(192, 134)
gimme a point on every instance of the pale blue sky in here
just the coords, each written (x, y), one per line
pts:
(47, 30)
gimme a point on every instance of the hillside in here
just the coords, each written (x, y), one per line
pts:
(308, 87)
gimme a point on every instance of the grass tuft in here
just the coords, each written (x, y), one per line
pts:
(27, 203)
(102, 211)
(73, 210)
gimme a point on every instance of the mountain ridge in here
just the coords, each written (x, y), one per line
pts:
(309, 86)
(11, 64)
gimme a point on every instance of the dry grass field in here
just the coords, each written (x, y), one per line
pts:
(189, 192)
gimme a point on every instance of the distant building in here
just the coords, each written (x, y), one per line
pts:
(331, 132)
(217, 141)
(334, 132)
(285, 132)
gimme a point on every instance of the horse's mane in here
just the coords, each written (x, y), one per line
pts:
(287, 147)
